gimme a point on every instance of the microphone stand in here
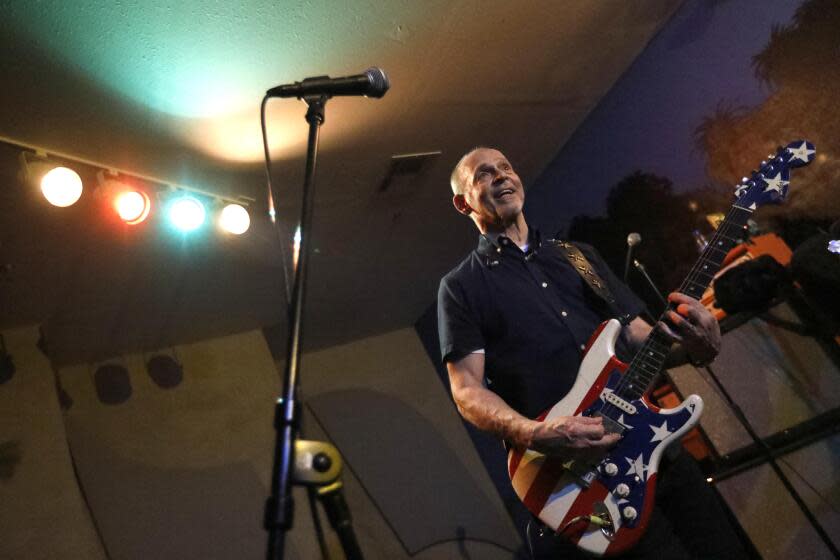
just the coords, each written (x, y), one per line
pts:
(641, 268)
(323, 461)
(627, 263)
(766, 450)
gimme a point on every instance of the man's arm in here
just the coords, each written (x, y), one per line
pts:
(567, 435)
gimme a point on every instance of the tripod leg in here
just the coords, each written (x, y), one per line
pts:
(312, 494)
(332, 497)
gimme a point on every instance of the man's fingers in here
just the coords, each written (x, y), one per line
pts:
(682, 327)
(664, 327)
(579, 430)
(690, 312)
(591, 420)
(676, 297)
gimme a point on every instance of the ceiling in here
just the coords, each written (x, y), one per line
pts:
(172, 92)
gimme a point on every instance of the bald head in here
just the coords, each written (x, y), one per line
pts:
(487, 189)
(458, 180)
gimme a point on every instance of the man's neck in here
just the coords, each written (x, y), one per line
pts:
(516, 231)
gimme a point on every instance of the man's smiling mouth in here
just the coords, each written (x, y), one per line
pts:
(504, 192)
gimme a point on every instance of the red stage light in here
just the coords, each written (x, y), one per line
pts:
(132, 206)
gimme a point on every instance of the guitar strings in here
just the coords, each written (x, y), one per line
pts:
(608, 409)
(726, 230)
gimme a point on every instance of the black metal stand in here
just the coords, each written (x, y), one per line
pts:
(769, 457)
(641, 268)
(279, 510)
(767, 452)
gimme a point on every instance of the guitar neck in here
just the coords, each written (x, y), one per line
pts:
(728, 234)
(650, 360)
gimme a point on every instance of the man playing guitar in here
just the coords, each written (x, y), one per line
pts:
(514, 318)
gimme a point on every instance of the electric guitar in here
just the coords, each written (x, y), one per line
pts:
(603, 506)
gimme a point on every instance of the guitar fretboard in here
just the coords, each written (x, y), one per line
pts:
(650, 360)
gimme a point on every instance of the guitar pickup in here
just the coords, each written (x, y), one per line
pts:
(615, 400)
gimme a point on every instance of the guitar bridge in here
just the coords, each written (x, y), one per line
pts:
(610, 425)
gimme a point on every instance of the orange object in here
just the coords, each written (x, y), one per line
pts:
(767, 244)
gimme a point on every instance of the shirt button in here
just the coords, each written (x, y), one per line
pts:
(563, 313)
(583, 346)
(544, 284)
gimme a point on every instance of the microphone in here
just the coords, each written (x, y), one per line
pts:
(373, 83)
(633, 239)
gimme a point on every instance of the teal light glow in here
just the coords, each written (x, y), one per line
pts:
(203, 59)
(186, 213)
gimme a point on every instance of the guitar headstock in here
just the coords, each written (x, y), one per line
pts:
(769, 184)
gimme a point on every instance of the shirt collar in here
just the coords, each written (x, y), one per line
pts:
(491, 244)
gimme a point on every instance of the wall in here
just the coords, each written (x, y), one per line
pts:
(183, 472)
(43, 513)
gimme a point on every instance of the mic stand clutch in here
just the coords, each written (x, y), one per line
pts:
(292, 458)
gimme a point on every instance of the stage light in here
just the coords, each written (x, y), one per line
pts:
(132, 206)
(61, 186)
(234, 219)
(186, 213)
(120, 193)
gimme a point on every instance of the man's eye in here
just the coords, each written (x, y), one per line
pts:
(481, 176)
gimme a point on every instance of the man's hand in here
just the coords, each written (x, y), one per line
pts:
(572, 437)
(693, 327)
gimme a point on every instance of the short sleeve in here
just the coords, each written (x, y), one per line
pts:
(627, 301)
(458, 326)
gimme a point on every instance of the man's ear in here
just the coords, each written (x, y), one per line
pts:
(461, 205)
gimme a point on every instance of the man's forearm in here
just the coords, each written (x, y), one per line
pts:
(488, 412)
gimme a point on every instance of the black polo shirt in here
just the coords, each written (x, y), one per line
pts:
(531, 312)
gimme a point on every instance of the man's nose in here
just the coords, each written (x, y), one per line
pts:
(499, 175)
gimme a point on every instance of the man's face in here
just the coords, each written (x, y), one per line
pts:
(493, 194)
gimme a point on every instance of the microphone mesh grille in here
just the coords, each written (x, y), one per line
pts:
(379, 83)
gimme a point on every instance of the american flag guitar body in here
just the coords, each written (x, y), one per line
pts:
(604, 505)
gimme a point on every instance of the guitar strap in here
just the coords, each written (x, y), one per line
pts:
(590, 277)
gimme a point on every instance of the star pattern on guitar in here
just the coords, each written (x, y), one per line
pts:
(775, 183)
(623, 423)
(802, 152)
(661, 432)
(637, 466)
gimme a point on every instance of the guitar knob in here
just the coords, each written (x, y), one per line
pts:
(622, 490)
(629, 513)
(611, 469)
